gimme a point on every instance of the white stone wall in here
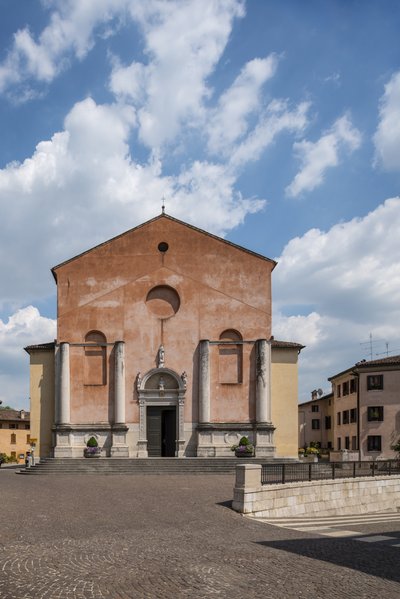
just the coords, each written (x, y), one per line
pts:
(319, 498)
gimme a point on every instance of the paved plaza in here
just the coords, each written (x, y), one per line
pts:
(141, 536)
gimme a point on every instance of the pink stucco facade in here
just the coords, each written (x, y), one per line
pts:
(164, 332)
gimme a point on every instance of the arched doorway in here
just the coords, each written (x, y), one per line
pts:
(161, 394)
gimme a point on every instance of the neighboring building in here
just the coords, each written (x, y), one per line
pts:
(364, 409)
(14, 433)
(164, 348)
(367, 407)
(316, 421)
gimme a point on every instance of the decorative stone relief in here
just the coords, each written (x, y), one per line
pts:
(138, 381)
(231, 438)
(261, 365)
(184, 379)
(161, 357)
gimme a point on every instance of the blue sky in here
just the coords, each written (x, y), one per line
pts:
(274, 124)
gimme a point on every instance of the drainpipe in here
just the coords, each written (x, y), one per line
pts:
(357, 375)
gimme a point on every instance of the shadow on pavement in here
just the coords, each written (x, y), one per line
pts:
(227, 504)
(377, 558)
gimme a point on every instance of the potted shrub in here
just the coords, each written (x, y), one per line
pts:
(312, 452)
(92, 449)
(244, 449)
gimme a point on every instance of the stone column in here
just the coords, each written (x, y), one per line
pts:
(204, 382)
(64, 390)
(119, 382)
(263, 381)
(264, 427)
(57, 378)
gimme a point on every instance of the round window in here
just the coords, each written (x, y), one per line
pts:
(163, 247)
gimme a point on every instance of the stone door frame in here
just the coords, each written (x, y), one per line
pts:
(161, 397)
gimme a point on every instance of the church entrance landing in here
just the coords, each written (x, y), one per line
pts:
(161, 431)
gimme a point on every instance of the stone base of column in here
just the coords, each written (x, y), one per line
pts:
(63, 446)
(119, 447)
(215, 440)
(71, 439)
(206, 452)
(180, 448)
(264, 440)
(63, 452)
(142, 449)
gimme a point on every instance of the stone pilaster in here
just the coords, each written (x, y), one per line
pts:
(263, 381)
(119, 382)
(63, 448)
(264, 428)
(204, 382)
(119, 446)
(64, 408)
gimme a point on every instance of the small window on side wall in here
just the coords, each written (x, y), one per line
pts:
(374, 443)
(95, 371)
(375, 382)
(230, 357)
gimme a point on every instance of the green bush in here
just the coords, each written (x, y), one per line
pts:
(92, 442)
(7, 459)
(396, 446)
(244, 441)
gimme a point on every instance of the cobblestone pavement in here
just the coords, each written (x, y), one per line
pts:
(155, 537)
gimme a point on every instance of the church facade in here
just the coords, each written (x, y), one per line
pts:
(164, 348)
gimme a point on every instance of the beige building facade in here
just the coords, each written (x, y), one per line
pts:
(363, 410)
(316, 421)
(164, 348)
(15, 433)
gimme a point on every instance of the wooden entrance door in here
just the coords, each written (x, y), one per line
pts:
(161, 431)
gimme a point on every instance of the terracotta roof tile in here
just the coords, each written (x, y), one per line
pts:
(41, 346)
(6, 414)
(384, 361)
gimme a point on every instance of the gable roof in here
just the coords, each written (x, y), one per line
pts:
(366, 364)
(173, 219)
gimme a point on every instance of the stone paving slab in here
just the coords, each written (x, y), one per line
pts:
(155, 537)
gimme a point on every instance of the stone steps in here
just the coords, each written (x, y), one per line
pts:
(131, 466)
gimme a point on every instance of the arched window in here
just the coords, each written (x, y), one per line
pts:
(230, 357)
(13, 438)
(95, 369)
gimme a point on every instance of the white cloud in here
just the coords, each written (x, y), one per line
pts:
(317, 157)
(345, 284)
(84, 184)
(229, 121)
(387, 136)
(24, 327)
(183, 42)
(69, 33)
(278, 117)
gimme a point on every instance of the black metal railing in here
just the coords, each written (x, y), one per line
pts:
(287, 473)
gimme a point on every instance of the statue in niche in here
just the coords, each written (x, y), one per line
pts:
(184, 379)
(161, 383)
(161, 357)
(138, 381)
